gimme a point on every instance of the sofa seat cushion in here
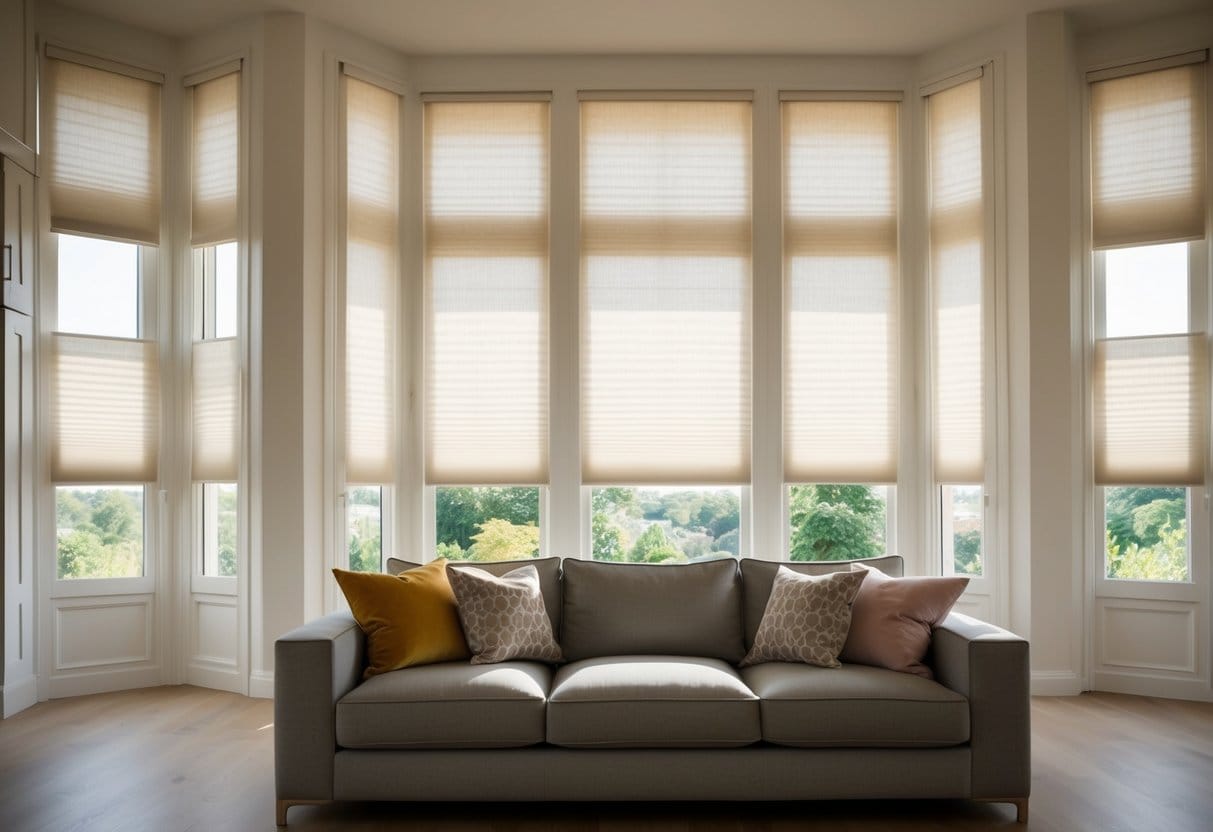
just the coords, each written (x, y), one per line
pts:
(451, 705)
(855, 706)
(651, 702)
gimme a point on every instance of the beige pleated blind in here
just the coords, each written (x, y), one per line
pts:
(486, 258)
(101, 135)
(216, 386)
(957, 258)
(665, 291)
(372, 185)
(216, 160)
(840, 291)
(1150, 413)
(105, 409)
(1148, 157)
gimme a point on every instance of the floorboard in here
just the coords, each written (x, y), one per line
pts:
(195, 760)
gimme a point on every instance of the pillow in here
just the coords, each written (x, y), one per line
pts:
(806, 619)
(408, 619)
(503, 616)
(892, 619)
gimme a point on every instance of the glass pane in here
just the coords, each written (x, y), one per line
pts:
(98, 287)
(487, 523)
(219, 529)
(961, 521)
(99, 531)
(665, 524)
(1146, 290)
(364, 516)
(837, 522)
(1146, 533)
(226, 306)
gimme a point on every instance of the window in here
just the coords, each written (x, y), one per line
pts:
(218, 514)
(673, 524)
(958, 274)
(838, 521)
(98, 288)
(665, 291)
(487, 523)
(99, 531)
(1149, 384)
(364, 522)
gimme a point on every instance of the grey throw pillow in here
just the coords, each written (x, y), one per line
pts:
(806, 620)
(503, 616)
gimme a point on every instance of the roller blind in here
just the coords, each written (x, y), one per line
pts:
(102, 142)
(957, 257)
(665, 291)
(216, 385)
(1150, 414)
(840, 291)
(1148, 157)
(105, 409)
(372, 185)
(486, 259)
(216, 160)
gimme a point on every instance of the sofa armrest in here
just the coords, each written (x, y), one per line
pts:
(989, 666)
(314, 666)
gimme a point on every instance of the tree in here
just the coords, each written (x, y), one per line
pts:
(462, 510)
(608, 540)
(966, 551)
(836, 522)
(1167, 560)
(729, 542)
(654, 547)
(1151, 519)
(365, 549)
(1121, 501)
(502, 540)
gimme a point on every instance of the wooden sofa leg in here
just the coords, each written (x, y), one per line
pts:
(281, 806)
(1020, 804)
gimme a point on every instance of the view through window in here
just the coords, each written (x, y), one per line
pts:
(364, 520)
(837, 521)
(665, 524)
(219, 508)
(487, 522)
(961, 513)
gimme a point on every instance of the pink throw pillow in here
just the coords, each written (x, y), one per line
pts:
(892, 619)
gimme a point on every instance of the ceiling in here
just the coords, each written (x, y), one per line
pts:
(890, 27)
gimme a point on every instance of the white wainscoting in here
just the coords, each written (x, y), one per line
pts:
(103, 644)
(978, 606)
(214, 627)
(1150, 647)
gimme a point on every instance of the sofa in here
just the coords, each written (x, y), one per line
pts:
(651, 705)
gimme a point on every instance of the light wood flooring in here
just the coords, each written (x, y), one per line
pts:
(184, 758)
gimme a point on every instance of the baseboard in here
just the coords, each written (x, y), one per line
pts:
(1056, 683)
(215, 678)
(103, 681)
(1145, 684)
(18, 696)
(261, 684)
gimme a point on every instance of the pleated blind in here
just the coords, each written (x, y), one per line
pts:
(840, 291)
(1150, 413)
(1148, 157)
(372, 185)
(957, 257)
(216, 386)
(216, 160)
(102, 142)
(486, 259)
(665, 291)
(105, 409)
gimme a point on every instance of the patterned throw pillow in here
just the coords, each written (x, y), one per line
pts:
(503, 617)
(806, 620)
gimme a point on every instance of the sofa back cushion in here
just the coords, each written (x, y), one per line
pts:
(548, 568)
(614, 609)
(758, 576)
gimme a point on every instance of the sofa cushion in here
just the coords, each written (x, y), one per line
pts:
(855, 706)
(503, 617)
(453, 705)
(613, 609)
(758, 576)
(806, 618)
(651, 702)
(549, 577)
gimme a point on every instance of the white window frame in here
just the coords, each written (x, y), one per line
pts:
(430, 518)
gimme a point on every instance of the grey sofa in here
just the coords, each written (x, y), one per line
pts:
(651, 706)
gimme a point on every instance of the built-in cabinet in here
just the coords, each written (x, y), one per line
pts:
(18, 89)
(17, 254)
(18, 684)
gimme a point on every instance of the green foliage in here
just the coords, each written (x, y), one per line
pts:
(462, 511)
(1151, 519)
(450, 551)
(100, 532)
(1166, 560)
(365, 545)
(609, 541)
(502, 540)
(1122, 502)
(227, 531)
(654, 547)
(836, 522)
(966, 551)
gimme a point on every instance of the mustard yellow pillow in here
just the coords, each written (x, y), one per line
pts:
(409, 619)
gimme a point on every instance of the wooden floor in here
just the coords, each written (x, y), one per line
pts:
(185, 758)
